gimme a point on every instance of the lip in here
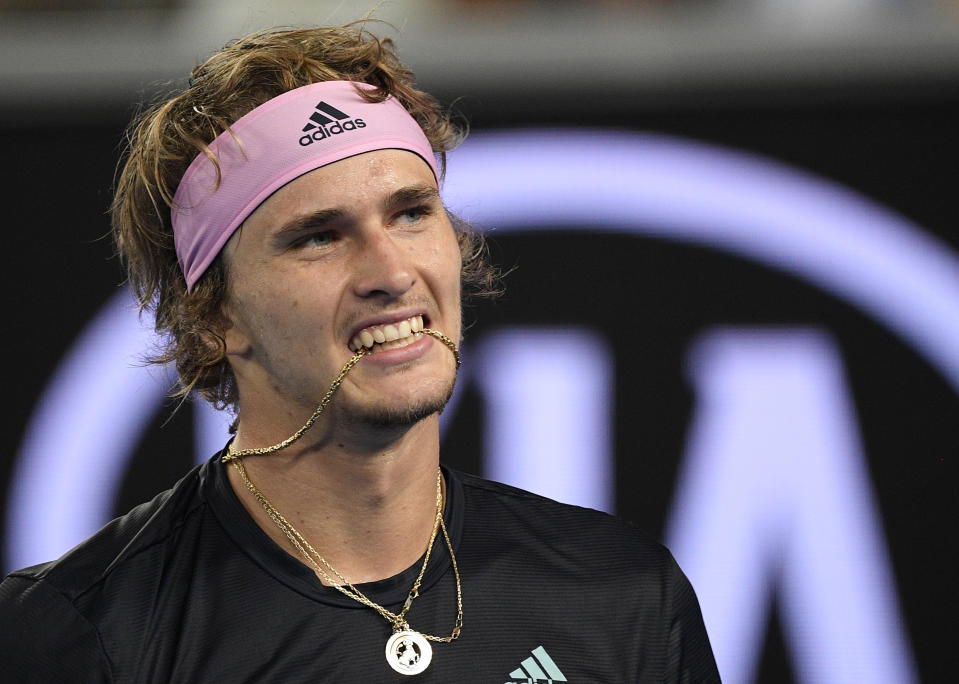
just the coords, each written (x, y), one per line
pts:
(387, 318)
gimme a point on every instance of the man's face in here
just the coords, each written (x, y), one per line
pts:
(331, 259)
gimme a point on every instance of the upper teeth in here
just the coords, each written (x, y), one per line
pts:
(403, 332)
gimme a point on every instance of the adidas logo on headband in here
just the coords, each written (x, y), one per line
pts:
(322, 126)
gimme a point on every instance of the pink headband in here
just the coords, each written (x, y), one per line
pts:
(292, 134)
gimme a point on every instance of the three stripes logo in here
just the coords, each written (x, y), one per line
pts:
(539, 667)
(327, 121)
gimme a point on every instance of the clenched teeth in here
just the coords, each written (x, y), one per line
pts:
(391, 336)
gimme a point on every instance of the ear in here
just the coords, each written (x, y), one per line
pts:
(231, 323)
(231, 330)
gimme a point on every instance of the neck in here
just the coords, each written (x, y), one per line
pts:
(366, 502)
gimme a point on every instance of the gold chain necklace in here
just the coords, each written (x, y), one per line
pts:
(407, 651)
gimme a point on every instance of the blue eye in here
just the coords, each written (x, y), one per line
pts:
(324, 239)
(413, 214)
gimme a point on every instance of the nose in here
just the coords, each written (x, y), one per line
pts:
(382, 267)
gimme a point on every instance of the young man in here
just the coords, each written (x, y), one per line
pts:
(282, 216)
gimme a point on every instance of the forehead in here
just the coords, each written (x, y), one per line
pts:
(355, 184)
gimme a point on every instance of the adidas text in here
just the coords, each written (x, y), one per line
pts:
(333, 129)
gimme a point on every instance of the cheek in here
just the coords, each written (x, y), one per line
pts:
(447, 283)
(448, 257)
(442, 266)
(261, 310)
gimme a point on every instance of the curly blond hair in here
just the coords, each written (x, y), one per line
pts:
(164, 139)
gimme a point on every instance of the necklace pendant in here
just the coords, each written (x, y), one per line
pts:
(408, 652)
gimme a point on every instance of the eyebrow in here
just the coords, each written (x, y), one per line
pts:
(412, 194)
(307, 222)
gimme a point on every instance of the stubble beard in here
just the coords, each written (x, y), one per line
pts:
(391, 418)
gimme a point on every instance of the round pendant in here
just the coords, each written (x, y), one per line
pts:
(408, 652)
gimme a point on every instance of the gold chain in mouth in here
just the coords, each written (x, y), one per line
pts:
(401, 628)
(324, 402)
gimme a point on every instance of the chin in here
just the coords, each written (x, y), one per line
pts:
(401, 415)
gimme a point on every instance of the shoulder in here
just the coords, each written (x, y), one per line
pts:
(51, 640)
(561, 548)
(546, 515)
(598, 540)
(600, 568)
(60, 607)
(90, 563)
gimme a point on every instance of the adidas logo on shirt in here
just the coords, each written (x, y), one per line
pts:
(321, 126)
(539, 667)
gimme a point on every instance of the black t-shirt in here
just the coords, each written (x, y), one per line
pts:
(187, 588)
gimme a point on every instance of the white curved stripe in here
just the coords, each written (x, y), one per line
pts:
(677, 190)
(81, 435)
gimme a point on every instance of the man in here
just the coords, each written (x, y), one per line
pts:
(282, 217)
